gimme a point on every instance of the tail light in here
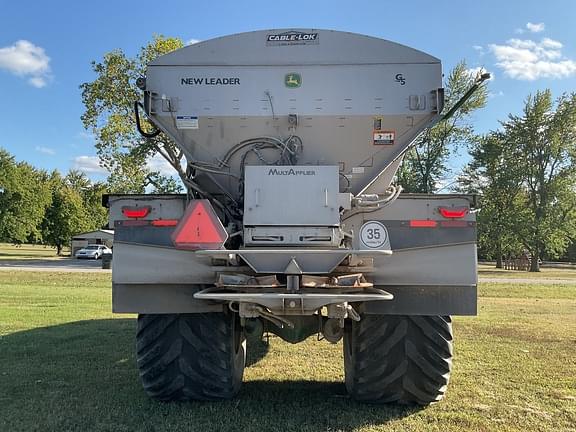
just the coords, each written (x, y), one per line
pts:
(135, 212)
(453, 212)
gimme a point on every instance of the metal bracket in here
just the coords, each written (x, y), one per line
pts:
(305, 303)
(276, 261)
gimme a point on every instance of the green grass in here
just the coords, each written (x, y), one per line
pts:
(26, 251)
(490, 271)
(66, 363)
(532, 291)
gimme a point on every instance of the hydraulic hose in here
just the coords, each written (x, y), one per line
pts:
(139, 126)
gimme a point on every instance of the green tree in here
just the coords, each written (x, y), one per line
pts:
(494, 174)
(128, 176)
(24, 196)
(96, 213)
(545, 139)
(78, 181)
(66, 215)
(426, 163)
(109, 103)
(91, 193)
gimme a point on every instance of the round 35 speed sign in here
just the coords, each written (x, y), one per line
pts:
(373, 235)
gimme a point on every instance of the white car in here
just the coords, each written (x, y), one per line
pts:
(93, 251)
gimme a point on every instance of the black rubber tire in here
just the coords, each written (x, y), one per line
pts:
(398, 359)
(185, 357)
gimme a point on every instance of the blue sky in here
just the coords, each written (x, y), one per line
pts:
(46, 49)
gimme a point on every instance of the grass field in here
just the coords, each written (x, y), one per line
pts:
(26, 251)
(66, 363)
(490, 271)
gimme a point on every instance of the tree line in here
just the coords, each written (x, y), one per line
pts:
(43, 207)
(524, 172)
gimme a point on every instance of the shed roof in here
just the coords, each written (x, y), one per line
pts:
(105, 234)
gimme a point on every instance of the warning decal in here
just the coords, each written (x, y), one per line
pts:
(187, 122)
(384, 137)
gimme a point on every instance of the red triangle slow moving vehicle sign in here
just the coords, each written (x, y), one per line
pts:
(199, 228)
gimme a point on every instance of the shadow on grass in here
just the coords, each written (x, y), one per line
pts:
(256, 350)
(515, 273)
(83, 376)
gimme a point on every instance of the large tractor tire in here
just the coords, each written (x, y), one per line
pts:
(398, 359)
(185, 357)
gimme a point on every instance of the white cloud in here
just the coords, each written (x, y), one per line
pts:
(551, 44)
(525, 59)
(479, 49)
(26, 60)
(446, 184)
(37, 81)
(492, 95)
(192, 41)
(45, 150)
(88, 164)
(474, 72)
(91, 165)
(158, 163)
(535, 28)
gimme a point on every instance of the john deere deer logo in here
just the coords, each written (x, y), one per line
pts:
(293, 80)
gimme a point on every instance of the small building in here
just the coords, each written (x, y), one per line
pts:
(104, 237)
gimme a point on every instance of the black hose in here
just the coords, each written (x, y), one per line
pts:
(139, 126)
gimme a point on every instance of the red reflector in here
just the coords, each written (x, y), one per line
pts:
(453, 212)
(199, 228)
(165, 222)
(133, 223)
(423, 223)
(135, 212)
(454, 224)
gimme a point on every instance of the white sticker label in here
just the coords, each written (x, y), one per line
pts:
(384, 137)
(374, 235)
(187, 122)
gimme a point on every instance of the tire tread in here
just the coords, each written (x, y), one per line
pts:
(401, 359)
(185, 357)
